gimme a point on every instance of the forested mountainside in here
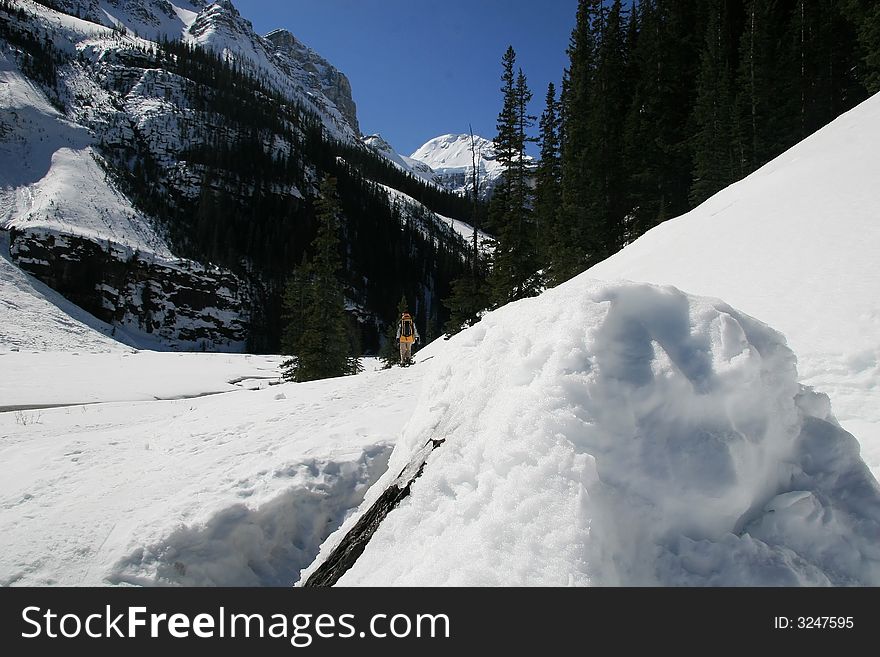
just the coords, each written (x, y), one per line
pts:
(211, 141)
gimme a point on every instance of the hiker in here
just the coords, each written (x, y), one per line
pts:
(407, 334)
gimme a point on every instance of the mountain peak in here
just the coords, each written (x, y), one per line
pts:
(451, 159)
(331, 81)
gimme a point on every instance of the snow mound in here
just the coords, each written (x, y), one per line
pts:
(623, 435)
(795, 243)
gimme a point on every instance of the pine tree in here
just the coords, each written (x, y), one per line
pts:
(514, 266)
(714, 149)
(470, 296)
(548, 177)
(609, 103)
(321, 347)
(576, 237)
(767, 101)
(864, 16)
(658, 130)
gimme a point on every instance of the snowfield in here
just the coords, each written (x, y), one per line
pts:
(235, 489)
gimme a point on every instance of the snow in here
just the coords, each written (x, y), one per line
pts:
(35, 317)
(49, 178)
(605, 433)
(449, 156)
(622, 434)
(795, 244)
(485, 241)
(231, 489)
(413, 210)
(407, 164)
(217, 26)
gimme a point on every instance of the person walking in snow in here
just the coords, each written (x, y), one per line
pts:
(407, 335)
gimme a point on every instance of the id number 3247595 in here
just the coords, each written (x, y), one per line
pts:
(814, 622)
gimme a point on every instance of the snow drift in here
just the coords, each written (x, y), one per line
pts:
(796, 245)
(623, 435)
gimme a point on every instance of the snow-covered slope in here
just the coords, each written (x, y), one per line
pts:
(35, 317)
(416, 168)
(623, 435)
(151, 19)
(49, 178)
(795, 244)
(450, 157)
(430, 223)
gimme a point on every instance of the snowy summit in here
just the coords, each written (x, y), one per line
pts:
(451, 159)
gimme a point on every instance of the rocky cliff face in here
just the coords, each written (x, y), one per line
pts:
(326, 78)
(178, 303)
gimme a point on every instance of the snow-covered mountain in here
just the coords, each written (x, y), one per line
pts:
(447, 162)
(58, 208)
(123, 153)
(451, 160)
(386, 150)
(289, 66)
(603, 433)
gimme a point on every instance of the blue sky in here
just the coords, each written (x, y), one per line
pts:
(421, 69)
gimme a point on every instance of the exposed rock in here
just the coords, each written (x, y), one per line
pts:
(178, 302)
(330, 80)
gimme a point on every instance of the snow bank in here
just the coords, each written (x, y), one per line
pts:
(794, 244)
(623, 435)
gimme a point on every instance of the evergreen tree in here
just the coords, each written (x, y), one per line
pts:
(714, 148)
(514, 265)
(470, 296)
(577, 238)
(658, 130)
(321, 346)
(824, 61)
(548, 178)
(609, 103)
(766, 103)
(864, 16)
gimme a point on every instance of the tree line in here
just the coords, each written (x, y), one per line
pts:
(663, 103)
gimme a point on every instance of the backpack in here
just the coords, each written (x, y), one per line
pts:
(406, 327)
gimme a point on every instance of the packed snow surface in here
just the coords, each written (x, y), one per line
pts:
(137, 487)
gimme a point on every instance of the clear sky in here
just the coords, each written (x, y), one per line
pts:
(421, 69)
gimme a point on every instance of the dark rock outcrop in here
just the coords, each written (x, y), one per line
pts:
(179, 302)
